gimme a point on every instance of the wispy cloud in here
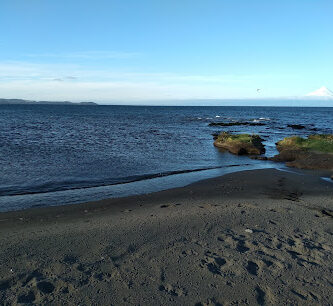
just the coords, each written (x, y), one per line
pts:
(64, 79)
(69, 72)
(86, 55)
(76, 82)
(102, 91)
(26, 70)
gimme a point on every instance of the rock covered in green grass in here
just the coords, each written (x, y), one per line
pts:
(314, 143)
(314, 152)
(240, 144)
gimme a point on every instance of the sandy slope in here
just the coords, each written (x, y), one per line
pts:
(186, 246)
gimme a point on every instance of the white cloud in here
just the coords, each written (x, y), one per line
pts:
(101, 91)
(28, 80)
(14, 70)
(86, 55)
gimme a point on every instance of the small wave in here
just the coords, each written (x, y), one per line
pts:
(261, 119)
(217, 116)
(75, 185)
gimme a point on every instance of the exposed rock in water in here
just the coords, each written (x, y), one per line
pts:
(314, 152)
(215, 135)
(259, 157)
(306, 160)
(236, 123)
(296, 126)
(241, 144)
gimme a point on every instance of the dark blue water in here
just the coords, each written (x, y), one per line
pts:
(52, 155)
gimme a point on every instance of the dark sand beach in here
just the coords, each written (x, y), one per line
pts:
(255, 237)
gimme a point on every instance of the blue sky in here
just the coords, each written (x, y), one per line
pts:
(128, 50)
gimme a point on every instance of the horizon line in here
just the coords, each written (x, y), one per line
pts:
(261, 99)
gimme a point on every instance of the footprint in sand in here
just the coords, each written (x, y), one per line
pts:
(209, 302)
(326, 213)
(127, 210)
(213, 263)
(281, 192)
(172, 290)
(70, 259)
(293, 196)
(4, 285)
(260, 296)
(233, 240)
(26, 298)
(241, 246)
(34, 284)
(252, 268)
(45, 287)
(173, 205)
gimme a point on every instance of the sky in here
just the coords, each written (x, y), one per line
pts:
(130, 50)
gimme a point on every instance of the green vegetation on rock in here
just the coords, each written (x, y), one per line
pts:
(314, 152)
(314, 143)
(227, 137)
(240, 144)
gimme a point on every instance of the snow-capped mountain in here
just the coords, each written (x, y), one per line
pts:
(322, 92)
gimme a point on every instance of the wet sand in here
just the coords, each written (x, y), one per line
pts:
(254, 237)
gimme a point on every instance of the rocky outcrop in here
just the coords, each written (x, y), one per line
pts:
(296, 126)
(236, 123)
(305, 160)
(314, 152)
(241, 144)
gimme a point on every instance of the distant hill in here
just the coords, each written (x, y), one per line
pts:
(30, 102)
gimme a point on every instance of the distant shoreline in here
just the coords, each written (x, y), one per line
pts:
(30, 102)
(251, 102)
